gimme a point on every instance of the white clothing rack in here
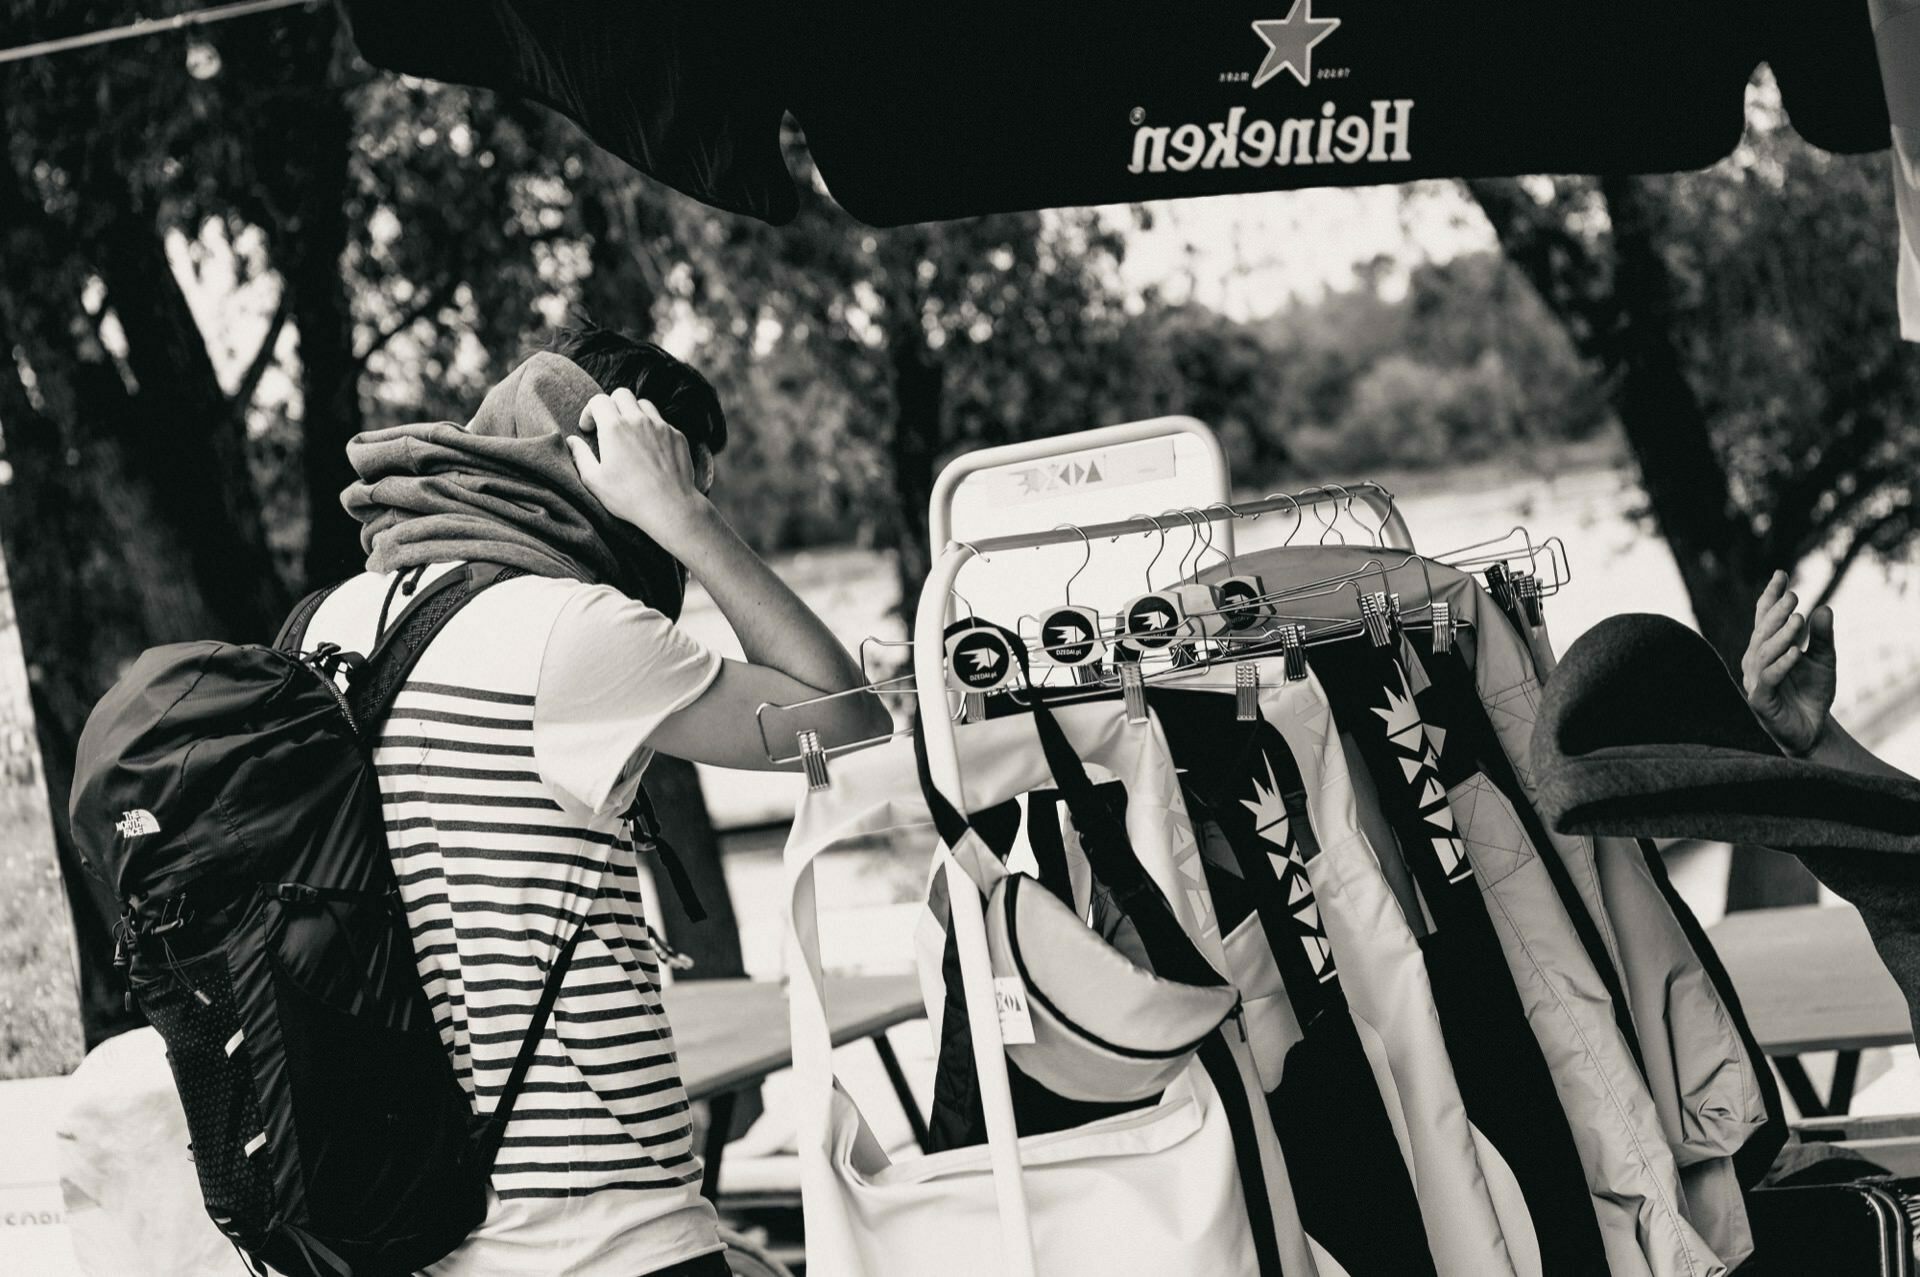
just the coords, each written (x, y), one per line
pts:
(943, 758)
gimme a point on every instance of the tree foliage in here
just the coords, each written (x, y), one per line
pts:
(1744, 324)
(406, 242)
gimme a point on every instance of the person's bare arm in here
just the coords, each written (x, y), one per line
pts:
(644, 475)
(1836, 748)
(1791, 672)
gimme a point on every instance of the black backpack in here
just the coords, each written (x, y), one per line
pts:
(228, 795)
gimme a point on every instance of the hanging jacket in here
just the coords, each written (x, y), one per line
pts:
(1718, 1100)
(1718, 1104)
(1571, 1000)
(1563, 989)
(1384, 978)
(1509, 1089)
(1247, 799)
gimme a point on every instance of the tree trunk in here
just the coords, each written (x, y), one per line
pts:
(310, 262)
(918, 390)
(98, 573)
(1624, 318)
(127, 517)
(1714, 544)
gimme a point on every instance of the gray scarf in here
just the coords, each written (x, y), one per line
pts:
(503, 489)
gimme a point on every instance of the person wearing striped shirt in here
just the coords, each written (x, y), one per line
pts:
(518, 744)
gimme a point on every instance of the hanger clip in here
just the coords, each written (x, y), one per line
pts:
(1442, 627)
(1500, 585)
(1133, 687)
(1293, 642)
(1373, 615)
(1526, 586)
(1246, 692)
(812, 758)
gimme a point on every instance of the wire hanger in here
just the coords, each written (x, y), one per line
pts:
(1328, 525)
(1066, 591)
(1158, 550)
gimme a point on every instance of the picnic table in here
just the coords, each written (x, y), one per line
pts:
(1810, 980)
(732, 1034)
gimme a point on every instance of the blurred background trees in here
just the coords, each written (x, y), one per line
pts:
(386, 248)
(1743, 327)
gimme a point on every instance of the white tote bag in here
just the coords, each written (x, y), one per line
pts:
(1148, 1192)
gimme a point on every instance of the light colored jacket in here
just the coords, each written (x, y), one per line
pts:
(1700, 1075)
(1459, 1178)
(1630, 1156)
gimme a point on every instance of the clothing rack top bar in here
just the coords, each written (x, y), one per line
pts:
(1393, 528)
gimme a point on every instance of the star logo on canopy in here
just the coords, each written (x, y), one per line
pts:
(1290, 42)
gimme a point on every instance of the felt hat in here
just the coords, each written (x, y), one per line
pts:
(1643, 732)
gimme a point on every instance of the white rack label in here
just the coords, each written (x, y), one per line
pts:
(1016, 1022)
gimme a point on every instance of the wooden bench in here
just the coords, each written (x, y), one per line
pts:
(1810, 980)
(732, 1034)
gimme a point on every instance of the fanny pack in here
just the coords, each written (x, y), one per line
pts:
(1105, 1030)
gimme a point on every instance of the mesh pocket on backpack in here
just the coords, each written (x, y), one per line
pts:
(214, 1074)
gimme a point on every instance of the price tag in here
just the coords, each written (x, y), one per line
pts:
(1016, 1022)
(1070, 635)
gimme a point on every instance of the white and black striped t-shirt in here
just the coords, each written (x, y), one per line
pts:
(511, 754)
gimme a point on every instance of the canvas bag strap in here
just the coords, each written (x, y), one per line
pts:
(1102, 835)
(815, 1086)
(1172, 951)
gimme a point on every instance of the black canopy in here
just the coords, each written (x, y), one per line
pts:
(918, 112)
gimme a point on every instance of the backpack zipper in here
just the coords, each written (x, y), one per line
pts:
(314, 665)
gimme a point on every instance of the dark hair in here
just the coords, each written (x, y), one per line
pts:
(685, 398)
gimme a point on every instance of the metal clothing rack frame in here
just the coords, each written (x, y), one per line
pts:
(928, 684)
(943, 757)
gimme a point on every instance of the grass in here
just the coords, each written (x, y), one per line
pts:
(39, 1004)
(39, 996)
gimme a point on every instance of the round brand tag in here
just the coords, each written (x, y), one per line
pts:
(979, 660)
(1069, 635)
(1152, 621)
(1238, 595)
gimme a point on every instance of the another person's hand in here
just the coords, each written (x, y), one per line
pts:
(1790, 671)
(644, 473)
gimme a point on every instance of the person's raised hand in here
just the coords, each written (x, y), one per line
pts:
(1790, 671)
(644, 471)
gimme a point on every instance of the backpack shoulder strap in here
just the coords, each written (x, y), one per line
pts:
(489, 1131)
(293, 635)
(374, 686)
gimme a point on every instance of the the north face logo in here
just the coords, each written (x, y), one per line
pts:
(137, 822)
